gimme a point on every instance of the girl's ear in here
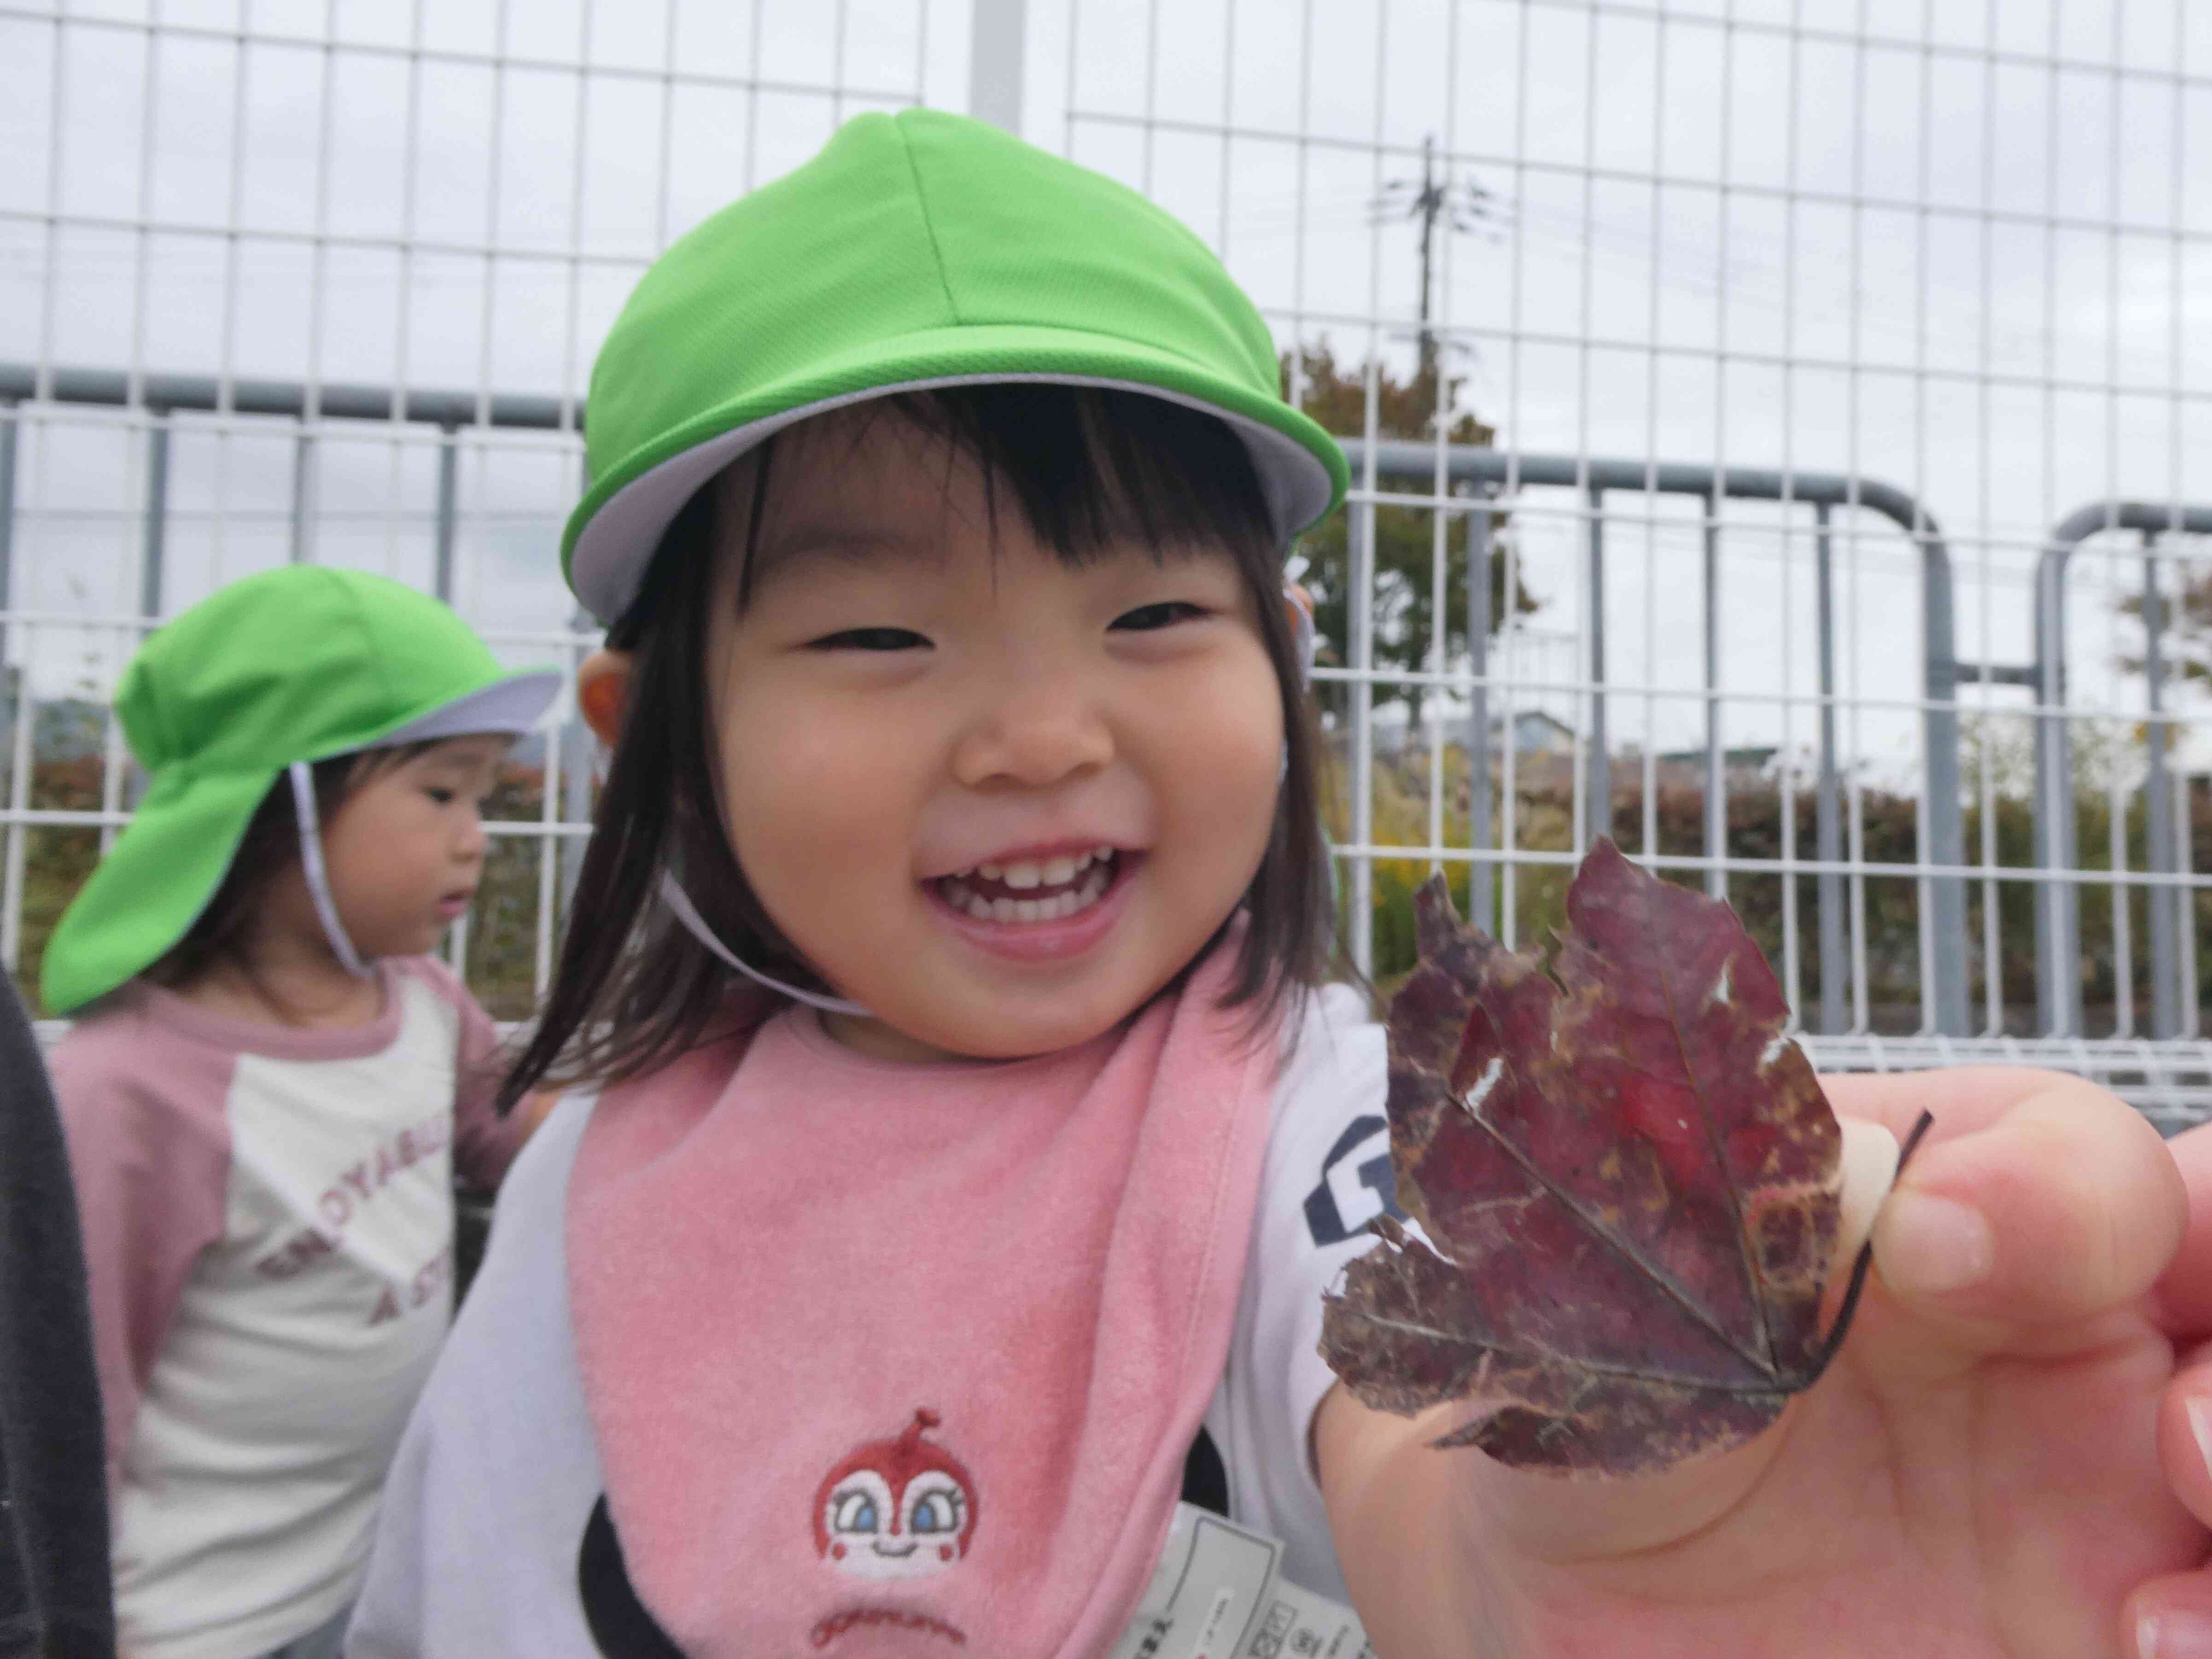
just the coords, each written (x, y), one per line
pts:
(603, 690)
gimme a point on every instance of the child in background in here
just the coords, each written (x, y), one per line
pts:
(892, 1294)
(268, 1086)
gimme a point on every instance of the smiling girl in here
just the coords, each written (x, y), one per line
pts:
(270, 1084)
(975, 1135)
(974, 1140)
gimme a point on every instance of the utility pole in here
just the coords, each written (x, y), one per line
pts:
(1459, 207)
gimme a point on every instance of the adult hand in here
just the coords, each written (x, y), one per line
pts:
(1978, 1475)
(2171, 1617)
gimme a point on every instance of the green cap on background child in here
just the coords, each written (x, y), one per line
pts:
(272, 674)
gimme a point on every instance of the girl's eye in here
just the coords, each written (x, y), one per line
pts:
(1149, 618)
(870, 639)
(443, 797)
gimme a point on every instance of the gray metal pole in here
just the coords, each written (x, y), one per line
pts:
(154, 544)
(578, 750)
(997, 35)
(1828, 807)
(2057, 952)
(1715, 783)
(1945, 896)
(1360, 537)
(1597, 789)
(1481, 878)
(303, 492)
(9, 421)
(576, 762)
(448, 486)
(2158, 809)
(2185, 905)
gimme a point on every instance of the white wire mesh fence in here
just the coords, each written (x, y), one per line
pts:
(1776, 424)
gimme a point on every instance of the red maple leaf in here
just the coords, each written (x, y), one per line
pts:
(1630, 1178)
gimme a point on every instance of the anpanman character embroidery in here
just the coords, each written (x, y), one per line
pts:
(903, 1508)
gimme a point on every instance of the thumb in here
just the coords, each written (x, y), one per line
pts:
(2065, 1205)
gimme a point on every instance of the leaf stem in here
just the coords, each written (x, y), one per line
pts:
(1843, 1324)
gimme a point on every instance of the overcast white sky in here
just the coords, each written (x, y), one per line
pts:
(1961, 246)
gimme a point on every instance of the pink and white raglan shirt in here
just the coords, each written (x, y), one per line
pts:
(268, 1228)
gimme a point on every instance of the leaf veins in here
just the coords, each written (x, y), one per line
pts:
(1629, 1177)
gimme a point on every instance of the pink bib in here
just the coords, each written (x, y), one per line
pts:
(894, 1359)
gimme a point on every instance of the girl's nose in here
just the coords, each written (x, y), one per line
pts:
(472, 841)
(1036, 733)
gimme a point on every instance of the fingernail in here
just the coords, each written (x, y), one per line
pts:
(2200, 1427)
(1934, 1244)
(2174, 1635)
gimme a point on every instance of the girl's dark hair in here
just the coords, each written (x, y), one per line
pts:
(268, 845)
(1086, 466)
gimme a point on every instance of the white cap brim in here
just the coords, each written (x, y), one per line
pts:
(513, 706)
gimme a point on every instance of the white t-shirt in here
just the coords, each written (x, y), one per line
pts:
(497, 1474)
(268, 1220)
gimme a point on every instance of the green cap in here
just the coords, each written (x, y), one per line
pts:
(917, 249)
(296, 664)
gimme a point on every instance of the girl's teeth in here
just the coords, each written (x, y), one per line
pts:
(989, 871)
(1096, 875)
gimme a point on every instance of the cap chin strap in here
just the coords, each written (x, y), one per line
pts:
(319, 881)
(674, 897)
(1303, 646)
(1304, 642)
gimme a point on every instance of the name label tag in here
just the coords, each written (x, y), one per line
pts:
(1218, 1593)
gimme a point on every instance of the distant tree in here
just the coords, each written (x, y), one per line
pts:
(1336, 396)
(2184, 646)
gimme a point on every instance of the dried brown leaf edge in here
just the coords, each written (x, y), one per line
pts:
(1630, 1174)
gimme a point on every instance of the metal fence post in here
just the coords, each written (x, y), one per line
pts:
(996, 38)
(448, 488)
(1715, 794)
(1944, 1000)
(1597, 789)
(2185, 905)
(2158, 808)
(2058, 945)
(1827, 807)
(1359, 536)
(1481, 876)
(578, 753)
(153, 543)
(303, 494)
(10, 419)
